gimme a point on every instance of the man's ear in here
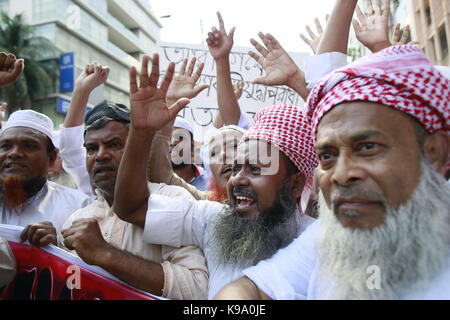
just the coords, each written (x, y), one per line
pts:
(298, 182)
(437, 150)
(52, 156)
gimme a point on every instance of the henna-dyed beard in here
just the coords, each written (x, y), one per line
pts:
(16, 189)
(218, 194)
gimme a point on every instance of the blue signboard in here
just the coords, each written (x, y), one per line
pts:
(64, 104)
(67, 72)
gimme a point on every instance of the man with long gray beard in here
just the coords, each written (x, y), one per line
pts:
(382, 128)
(259, 219)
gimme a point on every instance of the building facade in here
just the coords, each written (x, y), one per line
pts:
(116, 33)
(431, 28)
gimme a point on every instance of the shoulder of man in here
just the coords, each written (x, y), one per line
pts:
(72, 195)
(169, 191)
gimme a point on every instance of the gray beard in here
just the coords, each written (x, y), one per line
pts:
(409, 249)
(241, 243)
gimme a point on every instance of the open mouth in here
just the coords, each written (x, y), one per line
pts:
(105, 170)
(14, 165)
(244, 202)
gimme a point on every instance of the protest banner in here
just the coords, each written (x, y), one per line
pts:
(51, 273)
(202, 110)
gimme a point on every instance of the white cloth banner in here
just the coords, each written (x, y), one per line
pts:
(202, 110)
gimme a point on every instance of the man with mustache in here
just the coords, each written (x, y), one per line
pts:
(265, 187)
(96, 234)
(27, 198)
(182, 146)
(382, 129)
(27, 150)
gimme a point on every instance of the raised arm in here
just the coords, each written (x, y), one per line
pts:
(279, 67)
(182, 85)
(10, 68)
(313, 43)
(336, 35)
(72, 151)
(373, 30)
(93, 76)
(220, 44)
(149, 114)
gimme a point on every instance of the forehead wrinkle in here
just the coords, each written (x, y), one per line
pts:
(354, 137)
(31, 135)
(103, 140)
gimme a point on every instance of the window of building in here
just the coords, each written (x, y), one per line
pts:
(4, 5)
(431, 51)
(428, 12)
(443, 41)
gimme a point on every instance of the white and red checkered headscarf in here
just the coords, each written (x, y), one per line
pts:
(288, 128)
(399, 76)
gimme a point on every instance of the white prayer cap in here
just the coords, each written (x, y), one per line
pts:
(184, 124)
(33, 120)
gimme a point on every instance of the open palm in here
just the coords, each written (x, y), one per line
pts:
(275, 61)
(149, 110)
(373, 30)
(183, 84)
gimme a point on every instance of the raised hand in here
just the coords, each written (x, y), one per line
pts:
(183, 84)
(276, 62)
(313, 43)
(396, 40)
(219, 42)
(93, 75)
(373, 31)
(149, 111)
(10, 68)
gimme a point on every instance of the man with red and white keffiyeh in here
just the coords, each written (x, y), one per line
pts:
(271, 168)
(382, 138)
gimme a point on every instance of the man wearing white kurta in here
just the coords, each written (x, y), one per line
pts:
(263, 215)
(383, 228)
(100, 238)
(27, 151)
(180, 222)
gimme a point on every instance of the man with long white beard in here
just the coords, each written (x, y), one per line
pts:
(382, 128)
(259, 220)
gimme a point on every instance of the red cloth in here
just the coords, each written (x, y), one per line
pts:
(400, 77)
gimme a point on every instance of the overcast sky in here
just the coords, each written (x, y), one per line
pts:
(285, 19)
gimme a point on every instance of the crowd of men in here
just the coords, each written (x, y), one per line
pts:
(304, 203)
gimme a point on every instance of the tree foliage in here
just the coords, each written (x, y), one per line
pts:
(20, 39)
